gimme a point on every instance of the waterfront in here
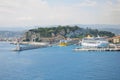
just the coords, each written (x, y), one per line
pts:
(57, 63)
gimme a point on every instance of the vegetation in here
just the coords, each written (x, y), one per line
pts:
(68, 31)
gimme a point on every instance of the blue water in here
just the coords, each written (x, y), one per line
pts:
(57, 63)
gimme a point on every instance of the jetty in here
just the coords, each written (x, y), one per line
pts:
(29, 46)
(97, 49)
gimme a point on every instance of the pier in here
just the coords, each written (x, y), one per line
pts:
(97, 49)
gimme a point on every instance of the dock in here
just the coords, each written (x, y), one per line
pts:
(97, 49)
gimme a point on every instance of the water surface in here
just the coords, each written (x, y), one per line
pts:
(57, 63)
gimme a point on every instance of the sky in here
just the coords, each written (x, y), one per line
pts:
(16, 13)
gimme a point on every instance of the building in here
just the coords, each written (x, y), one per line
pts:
(31, 36)
(115, 39)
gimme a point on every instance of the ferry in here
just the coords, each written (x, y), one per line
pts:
(91, 42)
(63, 43)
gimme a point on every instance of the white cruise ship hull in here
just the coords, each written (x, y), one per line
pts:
(94, 44)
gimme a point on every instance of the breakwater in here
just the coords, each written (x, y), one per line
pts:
(29, 46)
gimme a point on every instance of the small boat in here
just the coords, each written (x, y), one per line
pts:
(63, 43)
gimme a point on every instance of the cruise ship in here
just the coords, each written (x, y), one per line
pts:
(98, 42)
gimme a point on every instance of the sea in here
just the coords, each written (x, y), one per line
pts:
(58, 63)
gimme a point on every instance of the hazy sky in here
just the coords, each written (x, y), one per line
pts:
(58, 12)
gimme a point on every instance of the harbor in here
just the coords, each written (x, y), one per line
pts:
(59, 39)
(86, 44)
(21, 46)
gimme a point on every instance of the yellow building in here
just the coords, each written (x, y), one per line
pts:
(115, 39)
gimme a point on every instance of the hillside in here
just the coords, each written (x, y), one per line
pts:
(65, 31)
